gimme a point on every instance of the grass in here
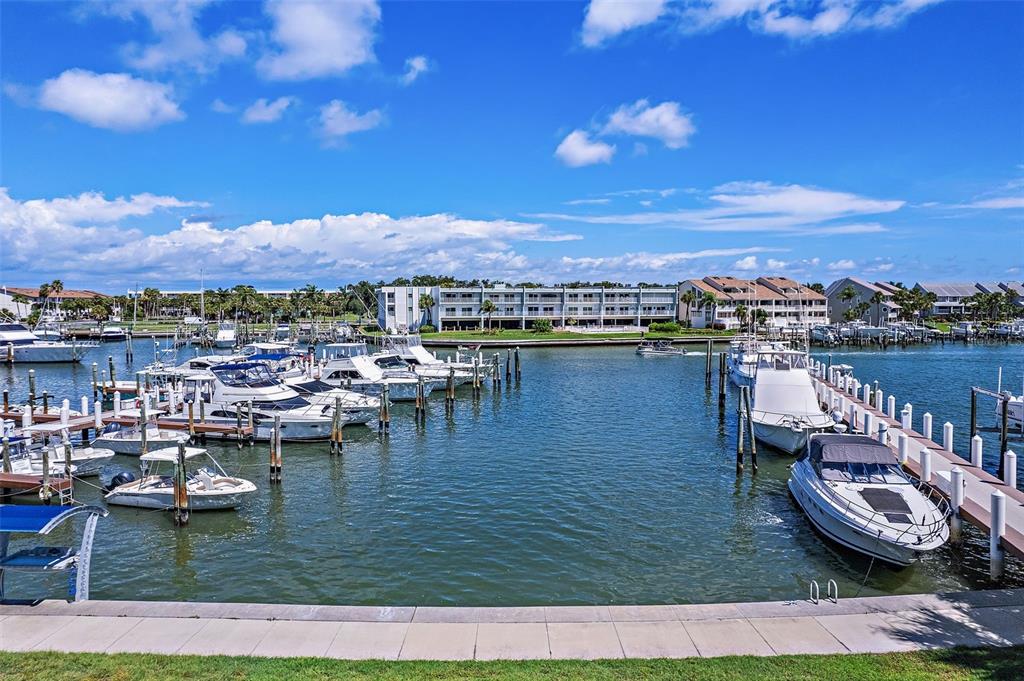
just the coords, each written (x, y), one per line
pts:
(941, 326)
(948, 665)
(518, 334)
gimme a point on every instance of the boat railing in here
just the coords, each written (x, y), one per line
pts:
(870, 517)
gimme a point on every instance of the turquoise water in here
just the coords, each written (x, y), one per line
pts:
(602, 477)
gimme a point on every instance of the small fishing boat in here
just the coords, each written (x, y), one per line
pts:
(660, 348)
(208, 487)
(113, 332)
(85, 461)
(854, 492)
(225, 337)
(785, 408)
(129, 439)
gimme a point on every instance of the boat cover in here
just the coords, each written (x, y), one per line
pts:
(838, 448)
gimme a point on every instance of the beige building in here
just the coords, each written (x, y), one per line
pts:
(788, 304)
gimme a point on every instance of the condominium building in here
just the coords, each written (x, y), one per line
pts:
(950, 298)
(398, 307)
(787, 303)
(880, 314)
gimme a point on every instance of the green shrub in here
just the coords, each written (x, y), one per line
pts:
(427, 328)
(664, 327)
(542, 326)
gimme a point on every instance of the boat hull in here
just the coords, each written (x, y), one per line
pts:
(784, 438)
(49, 354)
(165, 500)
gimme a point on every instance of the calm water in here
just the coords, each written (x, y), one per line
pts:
(602, 477)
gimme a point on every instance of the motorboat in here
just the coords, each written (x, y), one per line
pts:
(350, 365)
(131, 440)
(343, 331)
(86, 461)
(113, 332)
(227, 390)
(784, 407)
(409, 347)
(208, 487)
(282, 332)
(355, 407)
(824, 335)
(660, 348)
(964, 330)
(18, 344)
(226, 335)
(48, 330)
(741, 358)
(854, 491)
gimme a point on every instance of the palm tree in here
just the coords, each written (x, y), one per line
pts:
(877, 299)
(708, 299)
(760, 316)
(688, 299)
(56, 288)
(741, 314)
(427, 303)
(488, 308)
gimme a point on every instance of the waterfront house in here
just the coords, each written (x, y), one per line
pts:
(8, 293)
(949, 298)
(877, 314)
(787, 303)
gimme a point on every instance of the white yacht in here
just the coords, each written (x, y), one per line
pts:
(113, 332)
(129, 440)
(85, 461)
(409, 347)
(356, 407)
(964, 330)
(208, 488)
(227, 389)
(282, 333)
(854, 492)
(784, 405)
(661, 348)
(351, 366)
(741, 360)
(18, 344)
(225, 337)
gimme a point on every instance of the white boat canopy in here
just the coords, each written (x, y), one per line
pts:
(833, 448)
(170, 454)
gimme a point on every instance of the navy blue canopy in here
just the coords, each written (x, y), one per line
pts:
(39, 519)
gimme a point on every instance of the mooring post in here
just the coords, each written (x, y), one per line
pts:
(869, 422)
(97, 415)
(7, 401)
(278, 449)
(903, 445)
(707, 365)
(6, 454)
(750, 428)
(449, 390)
(926, 465)
(976, 444)
(926, 426)
(519, 366)
(883, 432)
(740, 429)
(95, 380)
(1010, 469)
(45, 493)
(495, 371)
(273, 452)
(947, 436)
(85, 406)
(892, 407)
(974, 412)
(956, 500)
(180, 489)
(508, 365)
(142, 427)
(1004, 432)
(117, 404)
(46, 402)
(997, 510)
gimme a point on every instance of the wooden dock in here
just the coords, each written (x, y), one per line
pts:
(27, 483)
(50, 424)
(978, 484)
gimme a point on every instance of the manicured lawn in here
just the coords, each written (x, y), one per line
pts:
(948, 665)
(941, 326)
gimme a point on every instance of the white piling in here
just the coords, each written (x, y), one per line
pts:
(866, 394)
(926, 465)
(904, 448)
(892, 407)
(947, 436)
(85, 405)
(65, 412)
(883, 432)
(879, 399)
(852, 418)
(997, 508)
(976, 443)
(97, 414)
(117, 403)
(905, 419)
(869, 421)
(956, 500)
(26, 417)
(926, 425)
(908, 409)
(1010, 469)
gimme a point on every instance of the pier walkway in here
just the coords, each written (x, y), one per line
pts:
(852, 625)
(978, 483)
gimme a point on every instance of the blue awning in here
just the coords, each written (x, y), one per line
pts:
(39, 519)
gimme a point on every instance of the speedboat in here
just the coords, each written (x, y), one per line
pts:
(964, 330)
(854, 492)
(355, 407)
(824, 335)
(351, 366)
(112, 332)
(86, 461)
(18, 344)
(282, 332)
(129, 439)
(225, 337)
(660, 348)
(208, 488)
(409, 347)
(227, 390)
(785, 407)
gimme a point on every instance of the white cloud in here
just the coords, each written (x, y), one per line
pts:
(662, 193)
(608, 18)
(760, 207)
(774, 265)
(578, 149)
(1000, 202)
(841, 265)
(220, 106)
(587, 202)
(82, 237)
(337, 121)
(115, 101)
(414, 68)
(179, 42)
(664, 122)
(318, 39)
(747, 264)
(262, 111)
(645, 261)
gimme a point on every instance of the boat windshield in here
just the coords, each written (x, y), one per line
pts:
(245, 375)
(339, 350)
(865, 473)
(281, 405)
(391, 362)
(782, 361)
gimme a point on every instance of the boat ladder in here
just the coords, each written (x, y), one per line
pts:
(831, 595)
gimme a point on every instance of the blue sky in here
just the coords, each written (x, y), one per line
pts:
(284, 142)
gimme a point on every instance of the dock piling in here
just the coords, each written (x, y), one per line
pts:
(7, 401)
(95, 380)
(519, 366)
(45, 493)
(707, 366)
(883, 432)
(110, 370)
(750, 428)
(926, 465)
(739, 432)
(926, 426)
(721, 384)
(508, 365)
(903, 445)
(974, 412)
(976, 444)
(279, 454)
(180, 489)
(892, 407)
(1010, 469)
(6, 455)
(956, 500)
(996, 554)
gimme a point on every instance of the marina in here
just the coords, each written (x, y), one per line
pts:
(623, 455)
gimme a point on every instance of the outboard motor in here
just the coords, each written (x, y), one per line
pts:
(119, 478)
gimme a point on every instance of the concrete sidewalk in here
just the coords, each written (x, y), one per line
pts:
(857, 625)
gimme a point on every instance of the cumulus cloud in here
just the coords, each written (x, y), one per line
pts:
(262, 111)
(792, 19)
(841, 265)
(587, 202)
(646, 261)
(318, 39)
(606, 19)
(178, 40)
(578, 149)
(414, 68)
(337, 121)
(89, 234)
(664, 122)
(115, 101)
(999, 203)
(220, 106)
(747, 264)
(760, 207)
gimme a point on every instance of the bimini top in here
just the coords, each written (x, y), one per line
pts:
(40, 519)
(170, 454)
(836, 448)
